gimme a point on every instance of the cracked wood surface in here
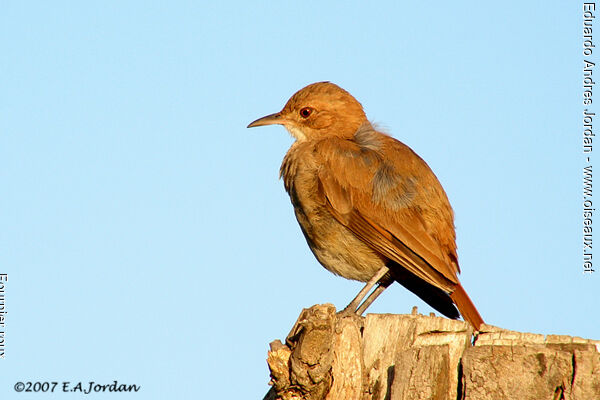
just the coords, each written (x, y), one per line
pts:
(391, 357)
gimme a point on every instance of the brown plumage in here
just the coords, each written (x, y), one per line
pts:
(369, 207)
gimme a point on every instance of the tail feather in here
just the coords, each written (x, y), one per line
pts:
(466, 307)
(432, 295)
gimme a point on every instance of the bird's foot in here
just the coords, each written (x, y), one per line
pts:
(347, 311)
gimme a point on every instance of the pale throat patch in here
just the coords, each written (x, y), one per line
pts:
(296, 132)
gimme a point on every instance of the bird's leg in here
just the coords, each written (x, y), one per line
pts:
(378, 290)
(352, 307)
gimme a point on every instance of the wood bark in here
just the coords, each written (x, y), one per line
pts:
(335, 356)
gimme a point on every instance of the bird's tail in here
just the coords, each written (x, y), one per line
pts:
(466, 307)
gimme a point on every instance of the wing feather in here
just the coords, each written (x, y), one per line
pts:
(389, 217)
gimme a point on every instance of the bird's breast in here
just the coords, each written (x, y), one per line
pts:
(334, 246)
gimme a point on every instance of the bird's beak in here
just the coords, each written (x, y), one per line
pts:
(271, 119)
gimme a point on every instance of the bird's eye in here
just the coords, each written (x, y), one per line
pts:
(305, 112)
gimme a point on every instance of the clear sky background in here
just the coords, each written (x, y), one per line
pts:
(146, 236)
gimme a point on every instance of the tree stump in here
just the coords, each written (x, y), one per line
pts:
(408, 357)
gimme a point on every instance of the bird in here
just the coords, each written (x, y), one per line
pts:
(370, 208)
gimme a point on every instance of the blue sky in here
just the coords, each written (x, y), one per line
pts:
(146, 235)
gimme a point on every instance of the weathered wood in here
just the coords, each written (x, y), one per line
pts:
(408, 357)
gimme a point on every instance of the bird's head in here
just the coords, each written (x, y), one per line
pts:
(316, 111)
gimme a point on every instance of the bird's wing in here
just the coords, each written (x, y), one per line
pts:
(384, 204)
